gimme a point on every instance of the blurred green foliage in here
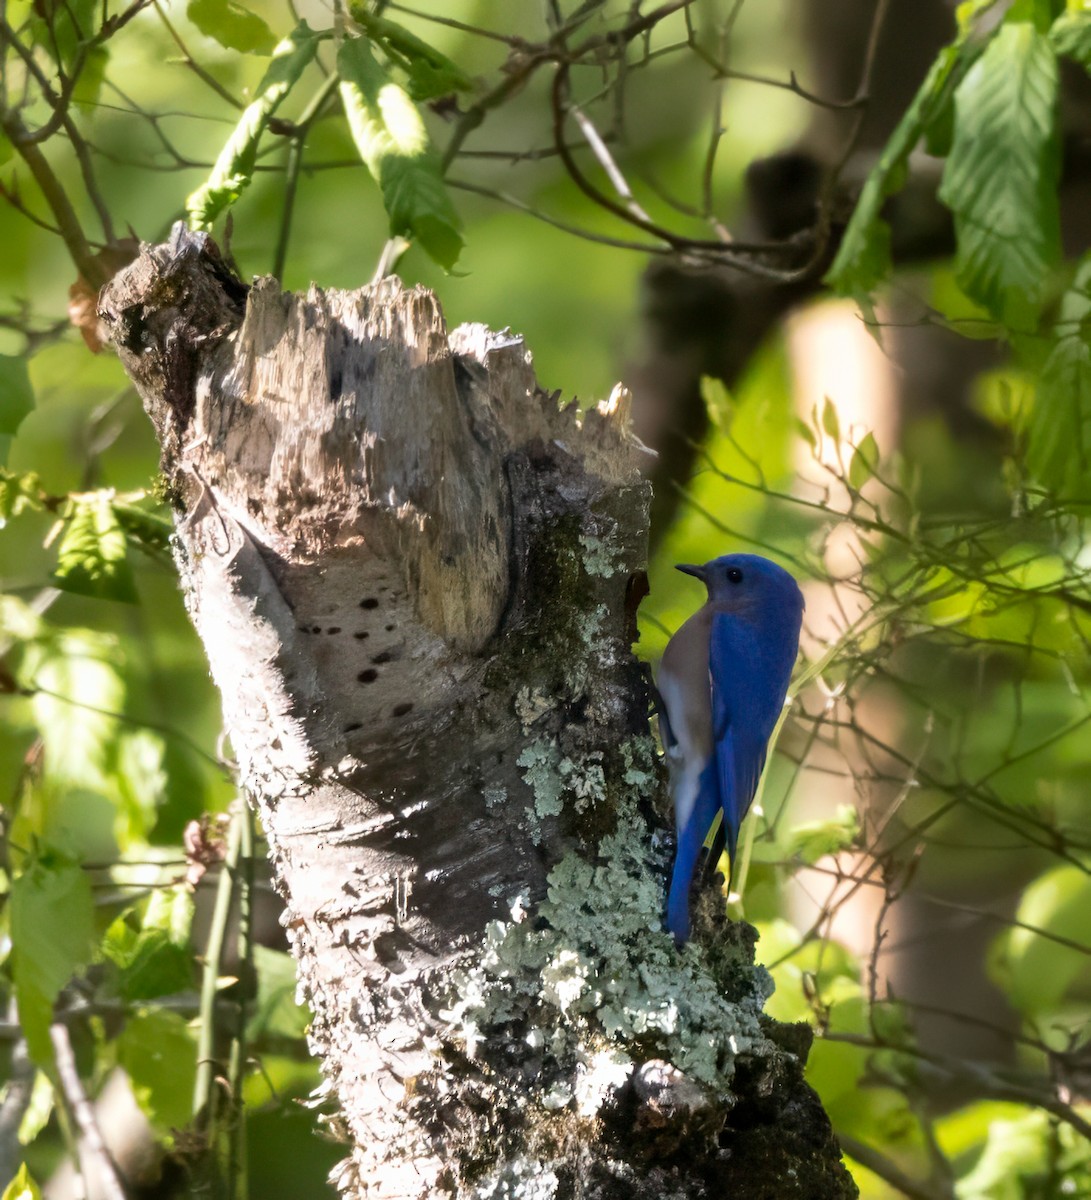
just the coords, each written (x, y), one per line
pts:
(936, 754)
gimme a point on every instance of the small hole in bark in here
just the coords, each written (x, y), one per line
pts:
(316, 629)
(389, 628)
(399, 710)
(384, 656)
(353, 727)
(448, 560)
(363, 633)
(368, 676)
(334, 629)
(369, 602)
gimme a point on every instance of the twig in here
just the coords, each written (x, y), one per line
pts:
(236, 1155)
(91, 1143)
(16, 1100)
(67, 222)
(606, 161)
(294, 165)
(464, 185)
(206, 78)
(204, 1090)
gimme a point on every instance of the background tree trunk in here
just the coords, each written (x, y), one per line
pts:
(416, 578)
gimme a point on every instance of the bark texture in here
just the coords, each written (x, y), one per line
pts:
(415, 576)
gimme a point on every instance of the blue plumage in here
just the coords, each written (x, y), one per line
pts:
(722, 680)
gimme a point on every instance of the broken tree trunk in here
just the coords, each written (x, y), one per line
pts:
(415, 577)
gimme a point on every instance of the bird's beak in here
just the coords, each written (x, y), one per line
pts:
(690, 569)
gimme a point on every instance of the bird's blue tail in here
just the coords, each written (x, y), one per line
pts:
(690, 840)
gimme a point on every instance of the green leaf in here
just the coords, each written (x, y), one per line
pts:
(276, 1013)
(1038, 972)
(865, 458)
(89, 84)
(863, 258)
(1059, 439)
(77, 689)
(1071, 37)
(1001, 178)
(1040, 13)
(16, 394)
(149, 530)
(91, 559)
(140, 783)
(393, 142)
(18, 494)
(1059, 446)
(234, 167)
(160, 1057)
(814, 840)
(430, 73)
(22, 1186)
(52, 936)
(38, 1110)
(232, 25)
(154, 959)
(61, 26)
(830, 421)
(807, 433)
(1025, 1156)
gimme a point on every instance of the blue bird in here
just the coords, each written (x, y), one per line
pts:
(722, 682)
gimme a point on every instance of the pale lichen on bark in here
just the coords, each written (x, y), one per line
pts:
(416, 576)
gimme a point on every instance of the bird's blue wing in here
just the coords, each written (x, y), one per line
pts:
(746, 700)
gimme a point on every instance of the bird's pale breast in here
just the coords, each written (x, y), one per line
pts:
(685, 688)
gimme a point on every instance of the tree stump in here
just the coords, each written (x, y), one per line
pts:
(415, 575)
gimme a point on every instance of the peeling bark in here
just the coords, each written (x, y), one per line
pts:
(415, 576)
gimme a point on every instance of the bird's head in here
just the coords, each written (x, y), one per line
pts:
(747, 582)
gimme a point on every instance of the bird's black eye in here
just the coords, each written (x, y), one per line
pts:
(734, 575)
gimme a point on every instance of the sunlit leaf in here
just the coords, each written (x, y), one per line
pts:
(1037, 970)
(234, 167)
(814, 840)
(1024, 1156)
(863, 259)
(148, 529)
(22, 1186)
(38, 1110)
(393, 142)
(16, 394)
(232, 25)
(865, 458)
(140, 780)
(430, 72)
(77, 690)
(831, 423)
(1071, 36)
(153, 959)
(158, 1052)
(1001, 178)
(18, 494)
(91, 558)
(52, 935)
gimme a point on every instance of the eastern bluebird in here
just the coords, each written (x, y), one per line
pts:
(722, 681)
